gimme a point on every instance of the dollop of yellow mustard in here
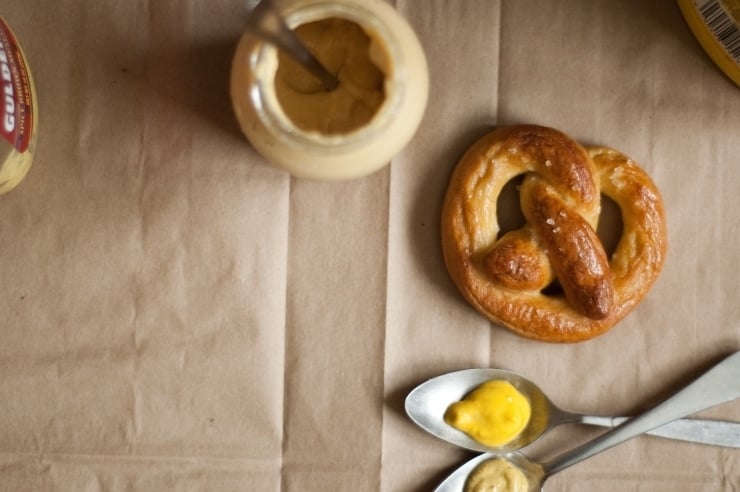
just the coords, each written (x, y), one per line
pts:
(493, 414)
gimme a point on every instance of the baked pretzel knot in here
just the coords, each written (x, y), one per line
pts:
(504, 275)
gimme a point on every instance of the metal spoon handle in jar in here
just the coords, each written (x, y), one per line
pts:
(718, 385)
(264, 21)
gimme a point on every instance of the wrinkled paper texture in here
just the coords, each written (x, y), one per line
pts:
(177, 315)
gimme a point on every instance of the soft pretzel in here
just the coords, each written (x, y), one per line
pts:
(504, 277)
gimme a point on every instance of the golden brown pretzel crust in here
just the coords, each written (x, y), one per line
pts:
(503, 277)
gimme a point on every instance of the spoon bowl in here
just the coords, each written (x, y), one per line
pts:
(534, 472)
(427, 403)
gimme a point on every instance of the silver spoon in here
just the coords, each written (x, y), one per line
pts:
(426, 405)
(718, 385)
(264, 21)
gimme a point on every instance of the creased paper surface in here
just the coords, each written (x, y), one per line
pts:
(177, 315)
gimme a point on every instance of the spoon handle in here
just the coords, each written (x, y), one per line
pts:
(265, 21)
(702, 431)
(718, 385)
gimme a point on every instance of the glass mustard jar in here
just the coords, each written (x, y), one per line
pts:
(348, 132)
(18, 112)
(716, 25)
